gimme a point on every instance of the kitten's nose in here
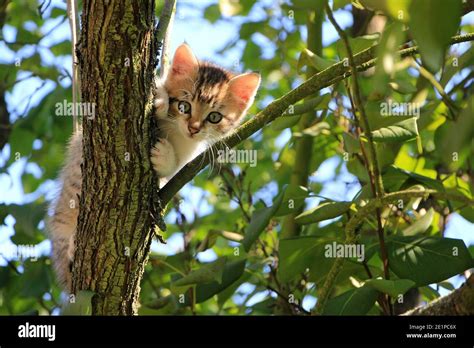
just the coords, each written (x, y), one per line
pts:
(193, 128)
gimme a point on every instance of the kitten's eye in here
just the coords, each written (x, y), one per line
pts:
(184, 107)
(214, 117)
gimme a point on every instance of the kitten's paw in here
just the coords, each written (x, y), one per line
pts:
(163, 158)
(161, 101)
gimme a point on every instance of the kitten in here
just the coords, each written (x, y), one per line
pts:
(196, 104)
(204, 103)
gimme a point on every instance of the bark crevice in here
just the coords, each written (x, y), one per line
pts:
(114, 234)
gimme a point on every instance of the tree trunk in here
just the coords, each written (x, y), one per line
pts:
(117, 55)
(458, 302)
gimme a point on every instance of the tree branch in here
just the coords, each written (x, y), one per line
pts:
(363, 213)
(374, 167)
(335, 73)
(458, 302)
(373, 163)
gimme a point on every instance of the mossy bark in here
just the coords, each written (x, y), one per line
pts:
(458, 302)
(117, 55)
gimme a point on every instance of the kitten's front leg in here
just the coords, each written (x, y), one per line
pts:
(163, 158)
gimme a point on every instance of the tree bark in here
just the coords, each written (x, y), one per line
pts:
(458, 302)
(117, 55)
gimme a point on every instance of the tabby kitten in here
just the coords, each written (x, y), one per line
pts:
(196, 104)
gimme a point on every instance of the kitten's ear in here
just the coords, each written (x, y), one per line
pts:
(243, 88)
(184, 62)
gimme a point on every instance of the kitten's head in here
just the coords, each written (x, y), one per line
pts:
(206, 101)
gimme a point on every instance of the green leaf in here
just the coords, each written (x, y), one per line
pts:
(351, 144)
(337, 4)
(293, 199)
(427, 260)
(358, 44)
(212, 13)
(62, 48)
(228, 292)
(30, 182)
(397, 132)
(56, 12)
(315, 130)
(324, 211)
(27, 218)
(265, 307)
(21, 141)
(353, 302)
(230, 274)
(209, 272)
(308, 58)
(37, 277)
(297, 254)
(387, 57)
(259, 221)
(453, 138)
(308, 4)
(397, 9)
(467, 213)
(79, 304)
(402, 86)
(447, 285)
(429, 293)
(309, 253)
(420, 225)
(7, 75)
(397, 179)
(285, 122)
(391, 287)
(433, 31)
(309, 105)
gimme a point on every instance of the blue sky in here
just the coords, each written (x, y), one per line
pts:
(205, 39)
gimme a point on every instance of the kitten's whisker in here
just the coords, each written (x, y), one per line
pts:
(219, 165)
(203, 157)
(211, 161)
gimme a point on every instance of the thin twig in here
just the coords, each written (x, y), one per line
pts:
(358, 102)
(374, 171)
(163, 33)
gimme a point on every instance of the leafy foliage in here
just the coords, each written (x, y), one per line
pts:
(232, 258)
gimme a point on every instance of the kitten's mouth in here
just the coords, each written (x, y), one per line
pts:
(192, 135)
